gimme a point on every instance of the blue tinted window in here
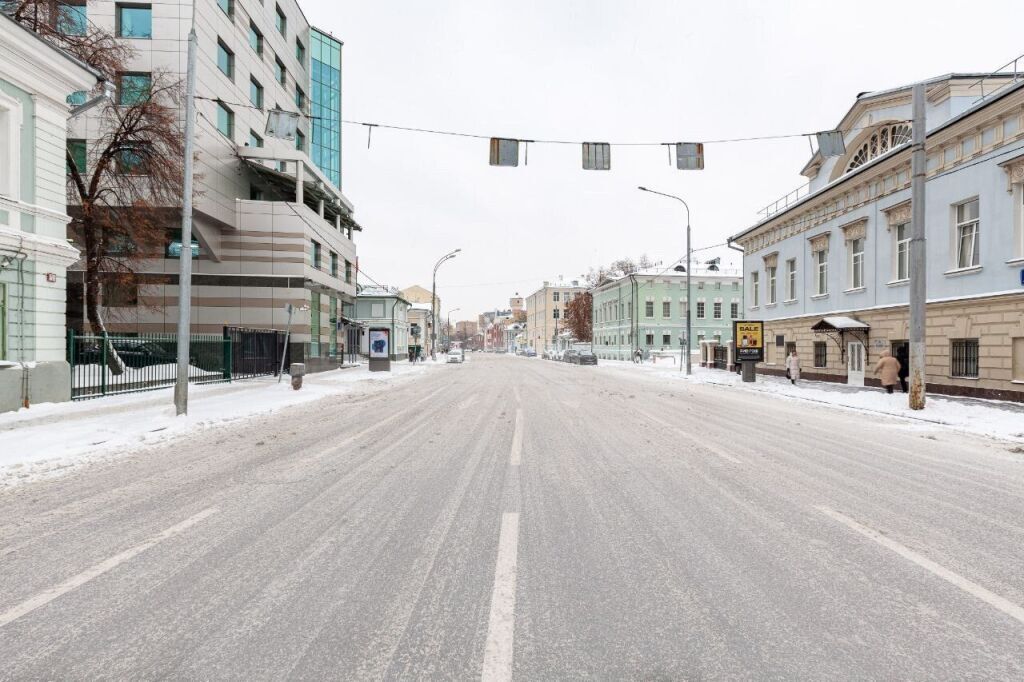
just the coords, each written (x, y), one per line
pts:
(133, 88)
(135, 21)
(77, 99)
(73, 20)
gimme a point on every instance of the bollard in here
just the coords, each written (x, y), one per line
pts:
(748, 371)
(297, 370)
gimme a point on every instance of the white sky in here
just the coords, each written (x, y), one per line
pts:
(605, 70)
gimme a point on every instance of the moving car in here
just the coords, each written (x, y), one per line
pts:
(455, 356)
(571, 356)
(586, 358)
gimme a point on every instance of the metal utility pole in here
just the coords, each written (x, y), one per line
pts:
(185, 259)
(433, 303)
(689, 369)
(918, 250)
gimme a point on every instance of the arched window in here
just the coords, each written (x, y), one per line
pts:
(881, 141)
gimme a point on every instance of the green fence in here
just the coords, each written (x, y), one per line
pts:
(149, 361)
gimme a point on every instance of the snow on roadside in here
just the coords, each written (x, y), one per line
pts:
(993, 418)
(48, 438)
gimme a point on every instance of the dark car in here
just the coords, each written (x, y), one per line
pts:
(586, 358)
(572, 357)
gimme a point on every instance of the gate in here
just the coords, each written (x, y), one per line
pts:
(256, 352)
(721, 357)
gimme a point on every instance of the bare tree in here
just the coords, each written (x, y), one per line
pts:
(579, 316)
(127, 193)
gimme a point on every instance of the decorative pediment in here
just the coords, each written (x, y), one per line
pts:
(819, 242)
(1014, 172)
(771, 260)
(858, 229)
(898, 214)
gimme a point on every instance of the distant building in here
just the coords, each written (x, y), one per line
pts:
(421, 325)
(646, 311)
(545, 312)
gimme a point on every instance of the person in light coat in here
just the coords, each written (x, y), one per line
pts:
(793, 367)
(888, 370)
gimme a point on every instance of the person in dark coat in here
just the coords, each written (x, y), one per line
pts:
(904, 359)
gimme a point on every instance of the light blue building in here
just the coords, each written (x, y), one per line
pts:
(325, 103)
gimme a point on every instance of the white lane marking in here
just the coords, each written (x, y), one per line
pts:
(697, 443)
(517, 439)
(99, 569)
(501, 625)
(968, 586)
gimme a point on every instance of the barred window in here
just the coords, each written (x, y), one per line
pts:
(820, 354)
(964, 358)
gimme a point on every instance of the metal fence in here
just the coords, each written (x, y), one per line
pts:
(256, 352)
(147, 362)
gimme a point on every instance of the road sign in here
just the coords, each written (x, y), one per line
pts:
(749, 338)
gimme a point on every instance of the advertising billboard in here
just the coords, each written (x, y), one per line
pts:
(379, 344)
(749, 337)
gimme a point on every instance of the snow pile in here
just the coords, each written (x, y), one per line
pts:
(998, 419)
(50, 437)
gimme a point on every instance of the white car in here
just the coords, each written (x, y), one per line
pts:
(455, 356)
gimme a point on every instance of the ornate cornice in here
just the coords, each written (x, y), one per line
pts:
(819, 242)
(771, 260)
(858, 229)
(1014, 171)
(898, 214)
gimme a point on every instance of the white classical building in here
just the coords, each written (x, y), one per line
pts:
(35, 81)
(828, 270)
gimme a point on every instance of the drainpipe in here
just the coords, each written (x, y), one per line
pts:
(393, 343)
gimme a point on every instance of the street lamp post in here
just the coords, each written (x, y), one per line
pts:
(448, 326)
(688, 269)
(433, 302)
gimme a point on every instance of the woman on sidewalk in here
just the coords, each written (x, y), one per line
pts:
(793, 367)
(889, 369)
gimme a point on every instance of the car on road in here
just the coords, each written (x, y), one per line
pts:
(571, 356)
(455, 356)
(530, 353)
(585, 357)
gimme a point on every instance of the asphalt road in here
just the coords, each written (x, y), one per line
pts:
(515, 517)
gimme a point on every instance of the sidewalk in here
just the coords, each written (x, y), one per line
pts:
(50, 437)
(993, 418)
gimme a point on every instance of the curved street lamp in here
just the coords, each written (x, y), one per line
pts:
(433, 303)
(687, 267)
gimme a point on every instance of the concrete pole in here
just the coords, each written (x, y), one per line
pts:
(433, 316)
(689, 292)
(185, 259)
(918, 251)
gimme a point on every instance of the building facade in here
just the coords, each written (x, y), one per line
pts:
(271, 225)
(646, 311)
(383, 307)
(545, 312)
(35, 82)
(420, 327)
(843, 251)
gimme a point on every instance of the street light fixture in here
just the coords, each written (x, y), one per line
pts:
(433, 302)
(448, 326)
(686, 269)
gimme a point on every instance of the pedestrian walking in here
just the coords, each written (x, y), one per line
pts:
(904, 359)
(793, 367)
(888, 369)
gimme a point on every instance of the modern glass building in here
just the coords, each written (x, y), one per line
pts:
(325, 103)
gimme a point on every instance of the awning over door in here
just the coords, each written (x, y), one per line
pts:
(838, 327)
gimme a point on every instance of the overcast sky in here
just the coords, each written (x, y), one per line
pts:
(605, 70)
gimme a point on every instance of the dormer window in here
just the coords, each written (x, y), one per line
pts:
(881, 142)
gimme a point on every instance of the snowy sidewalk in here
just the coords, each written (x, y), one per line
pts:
(998, 419)
(52, 436)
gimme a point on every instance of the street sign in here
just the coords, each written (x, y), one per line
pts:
(597, 156)
(504, 152)
(689, 156)
(748, 336)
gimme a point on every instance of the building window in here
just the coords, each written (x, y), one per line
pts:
(316, 254)
(300, 141)
(554, 296)
(280, 72)
(1018, 358)
(255, 39)
(172, 245)
(964, 358)
(225, 121)
(967, 234)
(225, 59)
(255, 93)
(134, 21)
(903, 251)
(700, 310)
(791, 279)
(554, 313)
(666, 308)
(717, 310)
(649, 339)
(76, 152)
(300, 98)
(133, 158)
(72, 18)
(281, 21)
(718, 285)
(133, 88)
(856, 263)
(666, 339)
(734, 310)
(255, 193)
(255, 140)
(300, 52)
(755, 289)
(348, 272)
(334, 264)
(820, 354)
(886, 138)
(700, 285)
(314, 323)
(77, 98)
(648, 308)
(772, 295)
(821, 266)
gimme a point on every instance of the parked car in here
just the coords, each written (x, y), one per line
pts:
(135, 353)
(455, 356)
(530, 353)
(571, 356)
(586, 358)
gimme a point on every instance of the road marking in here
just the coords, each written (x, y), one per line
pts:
(968, 586)
(501, 625)
(517, 439)
(99, 569)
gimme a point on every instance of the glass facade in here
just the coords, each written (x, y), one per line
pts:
(325, 104)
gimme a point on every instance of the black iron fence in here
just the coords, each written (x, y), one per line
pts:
(256, 352)
(106, 364)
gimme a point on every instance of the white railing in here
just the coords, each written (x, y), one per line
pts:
(1001, 74)
(785, 202)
